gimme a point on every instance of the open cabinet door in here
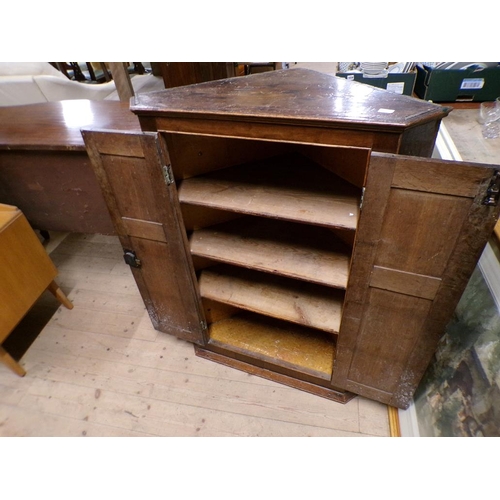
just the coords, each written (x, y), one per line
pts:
(135, 177)
(422, 228)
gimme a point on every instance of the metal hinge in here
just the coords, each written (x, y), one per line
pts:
(203, 325)
(361, 200)
(131, 258)
(168, 175)
(493, 191)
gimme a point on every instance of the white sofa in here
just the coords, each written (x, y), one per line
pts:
(33, 82)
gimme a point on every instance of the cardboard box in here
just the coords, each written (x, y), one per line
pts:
(458, 85)
(399, 83)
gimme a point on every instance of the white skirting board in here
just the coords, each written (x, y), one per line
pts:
(490, 269)
(488, 265)
(445, 147)
(408, 422)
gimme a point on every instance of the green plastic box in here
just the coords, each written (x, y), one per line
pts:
(458, 85)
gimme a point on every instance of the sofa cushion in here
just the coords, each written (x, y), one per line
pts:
(29, 68)
(55, 89)
(18, 90)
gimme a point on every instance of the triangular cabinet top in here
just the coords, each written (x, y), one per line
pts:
(291, 95)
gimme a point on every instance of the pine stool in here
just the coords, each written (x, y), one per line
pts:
(26, 272)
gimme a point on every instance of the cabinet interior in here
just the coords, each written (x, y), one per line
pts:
(270, 227)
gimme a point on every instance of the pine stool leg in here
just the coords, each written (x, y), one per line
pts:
(7, 359)
(59, 295)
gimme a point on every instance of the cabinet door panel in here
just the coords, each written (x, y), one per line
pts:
(429, 222)
(134, 186)
(418, 240)
(146, 214)
(381, 357)
(413, 284)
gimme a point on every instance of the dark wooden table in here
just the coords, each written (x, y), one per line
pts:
(45, 169)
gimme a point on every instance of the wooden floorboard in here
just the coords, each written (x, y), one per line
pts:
(101, 369)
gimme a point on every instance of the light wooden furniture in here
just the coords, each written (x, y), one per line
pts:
(279, 222)
(27, 272)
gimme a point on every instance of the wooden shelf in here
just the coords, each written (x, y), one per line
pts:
(287, 187)
(298, 251)
(284, 344)
(303, 303)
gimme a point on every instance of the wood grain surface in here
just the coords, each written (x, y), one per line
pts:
(129, 169)
(298, 251)
(302, 303)
(57, 125)
(101, 369)
(289, 188)
(280, 343)
(273, 96)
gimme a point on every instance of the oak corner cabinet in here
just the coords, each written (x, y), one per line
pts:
(292, 224)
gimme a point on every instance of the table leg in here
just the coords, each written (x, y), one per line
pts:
(59, 295)
(7, 360)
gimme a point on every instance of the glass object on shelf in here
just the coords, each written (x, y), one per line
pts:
(489, 113)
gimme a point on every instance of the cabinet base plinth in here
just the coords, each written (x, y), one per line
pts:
(325, 392)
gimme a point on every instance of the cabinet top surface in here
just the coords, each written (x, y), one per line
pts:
(57, 125)
(289, 95)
